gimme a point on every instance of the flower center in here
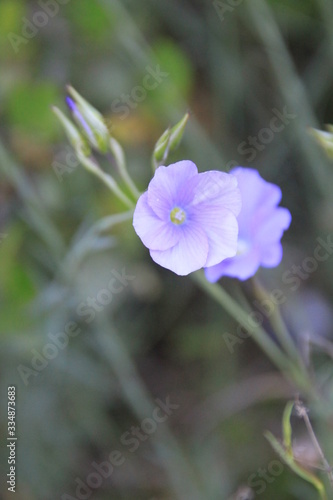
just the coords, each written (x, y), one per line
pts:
(177, 216)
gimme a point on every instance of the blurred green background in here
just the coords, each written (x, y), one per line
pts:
(231, 64)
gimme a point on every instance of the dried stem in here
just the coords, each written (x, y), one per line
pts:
(303, 413)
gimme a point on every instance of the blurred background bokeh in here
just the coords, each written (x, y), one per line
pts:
(234, 65)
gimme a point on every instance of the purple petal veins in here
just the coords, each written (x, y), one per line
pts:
(188, 220)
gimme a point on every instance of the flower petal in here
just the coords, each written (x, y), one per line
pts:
(214, 186)
(261, 226)
(258, 198)
(241, 267)
(154, 233)
(164, 188)
(255, 189)
(188, 255)
(272, 255)
(221, 228)
(271, 229)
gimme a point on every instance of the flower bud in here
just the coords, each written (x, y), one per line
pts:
(89, 120)
(76, 139)
(177, 132)
(161, 148)
(325, 139)
(169, 141)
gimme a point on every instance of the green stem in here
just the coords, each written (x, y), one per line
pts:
(274, 353)
(118, 153)
(289, 459)
(90, 165)
(80, 249)
(279, 326)
(303, 414)
(258, 333)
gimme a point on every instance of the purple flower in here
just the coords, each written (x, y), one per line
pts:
(261, 225)
(188, 220)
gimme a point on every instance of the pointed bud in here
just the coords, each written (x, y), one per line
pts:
(90, 121)
(168, 142)
(177, 132)
(78, 142)
(160, 150)
(325, 139)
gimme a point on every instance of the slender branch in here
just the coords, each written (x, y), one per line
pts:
(90, 165)
(274, 353)
(258, 333)
(279, 326)
(303, 413)
(119, 156)
(80, 248)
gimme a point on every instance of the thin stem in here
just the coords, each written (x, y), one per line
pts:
(80, 248)
(274, 353)
(90, 165)
(118, 153)
(108, 222)
(258, 333)
(279, 326)
(302, 412)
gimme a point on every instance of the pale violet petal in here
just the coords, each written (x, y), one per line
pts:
(273, 226)
(154, 233)
(271, 256)
(221, 228)
(258, 199)
(188, 255)
(164, 188)
(214, 186)
(241, 267)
